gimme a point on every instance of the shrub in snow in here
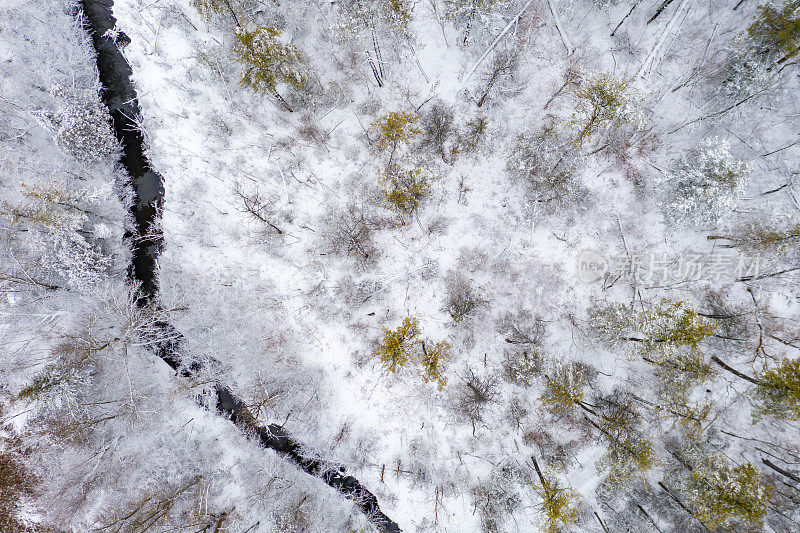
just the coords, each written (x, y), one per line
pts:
(500, 69)
(461, 297)
(475, 394)
(403, 189)
(522, 365)
(471, 134)
(603, 101)
(705, 184)
(81, 125)
(547, 163)
(743, 74)
(259, 206)
(498, 497)
(438, 128)
(349, 231)
(62, 379)
(522, 328)
(440, 133)
(524, 332)
(57, 216)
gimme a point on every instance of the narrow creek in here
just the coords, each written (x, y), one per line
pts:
(119, 96)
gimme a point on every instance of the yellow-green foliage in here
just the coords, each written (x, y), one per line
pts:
(560, 505)
(267, 61)
(767, 237)
(359, 15)
(669, 335)
(397, 13)
(682, 325)
(395, 128)
(400, 347)
(564, 389)
(434, 362)
(778, 391)
(777, 30)
(722, 494)
(396, 347)
(53, 205)
(629, 453)
(603, 100)
(404, 189)
(673, 323)
(207, 8)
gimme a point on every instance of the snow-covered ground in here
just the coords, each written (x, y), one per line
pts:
(291, 318)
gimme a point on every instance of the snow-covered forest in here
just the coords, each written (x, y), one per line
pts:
(354, 266)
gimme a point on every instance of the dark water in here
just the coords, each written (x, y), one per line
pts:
(119, 96)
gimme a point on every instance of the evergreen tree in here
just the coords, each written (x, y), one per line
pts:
(771, 40)
(775, 34)
(564, 389)
(405, 345)
(671, 323)
(395, 348)
(668, 336)
(395, 129)
(769, 234)
(724, 494)
(434, 361)
(778, 390)
(268, 62)
(560, 505)
(603, 101)
(704, 186)
(629, 452)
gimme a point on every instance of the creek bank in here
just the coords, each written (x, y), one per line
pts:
(119, 96)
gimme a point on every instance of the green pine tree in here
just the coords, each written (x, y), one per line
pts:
(723, 494)
(776, 32)
(778, 391)
(268, 62)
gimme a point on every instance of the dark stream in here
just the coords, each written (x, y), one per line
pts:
(119, 96)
